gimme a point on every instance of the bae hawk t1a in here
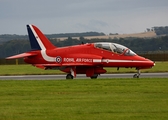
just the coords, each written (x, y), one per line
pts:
(89, 59)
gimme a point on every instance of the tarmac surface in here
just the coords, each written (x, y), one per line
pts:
(82, 76)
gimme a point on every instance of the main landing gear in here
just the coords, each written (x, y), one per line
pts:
(69, 76)
(137, 74)
(94, 76)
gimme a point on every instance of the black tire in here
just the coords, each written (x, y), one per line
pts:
(136, 76)
(94, 76)
(69, 76)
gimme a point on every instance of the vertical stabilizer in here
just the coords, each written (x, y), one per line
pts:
(38, 40)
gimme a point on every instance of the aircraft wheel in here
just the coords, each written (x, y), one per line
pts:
(69, 76)
(94, 76)
(136, 76)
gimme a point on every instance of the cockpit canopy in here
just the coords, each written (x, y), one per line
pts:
(114, 47)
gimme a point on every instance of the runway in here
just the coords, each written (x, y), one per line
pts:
(82, 76)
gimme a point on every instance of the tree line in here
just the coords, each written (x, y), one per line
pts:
(6, 37)
(161, 30)
(138, 45)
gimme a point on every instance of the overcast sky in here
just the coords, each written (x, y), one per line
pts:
(69, 16)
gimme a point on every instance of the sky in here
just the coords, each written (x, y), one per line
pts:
(76, 16)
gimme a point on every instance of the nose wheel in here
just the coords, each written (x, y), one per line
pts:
(137, 74)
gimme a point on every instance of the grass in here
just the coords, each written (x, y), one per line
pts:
(28, 69)
(25, 70)
(118, 99)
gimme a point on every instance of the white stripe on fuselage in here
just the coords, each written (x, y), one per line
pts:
(111, 61)
(43, 51)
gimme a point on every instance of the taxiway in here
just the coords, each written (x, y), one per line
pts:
(82, 76)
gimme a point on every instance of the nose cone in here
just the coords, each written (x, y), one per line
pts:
(147, 64)
(144, 63)
(151, 63)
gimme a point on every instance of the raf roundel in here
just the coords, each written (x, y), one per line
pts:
(58, 59)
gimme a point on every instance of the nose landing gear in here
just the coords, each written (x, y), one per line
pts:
(137, 74)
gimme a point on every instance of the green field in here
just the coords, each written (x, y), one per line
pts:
(29, 69)
(101, 99)
(118, 99)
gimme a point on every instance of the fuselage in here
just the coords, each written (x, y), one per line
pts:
(89, 53)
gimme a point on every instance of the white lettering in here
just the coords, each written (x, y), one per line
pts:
(69, 60)
(78, 60)
(86, 60)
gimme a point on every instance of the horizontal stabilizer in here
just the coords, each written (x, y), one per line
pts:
(27, 54)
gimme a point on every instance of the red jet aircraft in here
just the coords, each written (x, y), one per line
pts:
(89, 59)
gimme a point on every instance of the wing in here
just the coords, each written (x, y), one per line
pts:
(27, 54)
(45, 66)
(50, 66)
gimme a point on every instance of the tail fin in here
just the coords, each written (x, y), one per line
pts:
(38, 40)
